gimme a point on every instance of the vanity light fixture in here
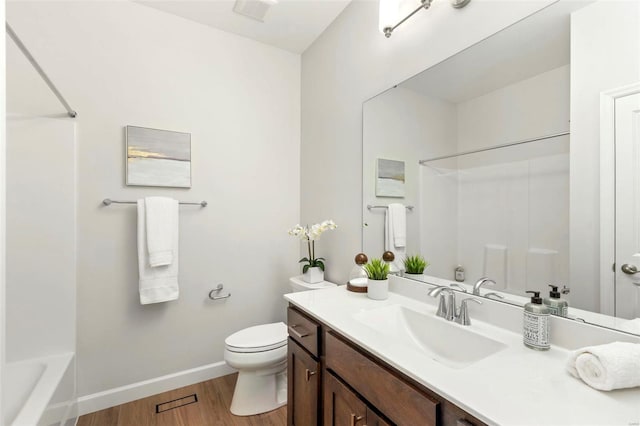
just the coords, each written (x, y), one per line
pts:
(389, 16)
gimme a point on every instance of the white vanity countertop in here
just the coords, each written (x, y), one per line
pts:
(516, 386)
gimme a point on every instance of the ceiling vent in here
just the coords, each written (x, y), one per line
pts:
(254, 9)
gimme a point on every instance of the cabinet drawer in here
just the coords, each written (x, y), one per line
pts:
(303, 330)
(402, 403)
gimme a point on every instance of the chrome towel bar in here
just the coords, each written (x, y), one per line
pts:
(109, 201)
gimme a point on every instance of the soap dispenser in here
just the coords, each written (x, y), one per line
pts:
(535, 325)
(556, 304)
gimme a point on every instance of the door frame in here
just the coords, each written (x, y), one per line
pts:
(607, 194)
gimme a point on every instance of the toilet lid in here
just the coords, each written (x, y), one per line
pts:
(258, 338)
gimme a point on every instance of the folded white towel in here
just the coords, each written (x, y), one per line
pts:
(160, 283)
(397, 216)
(607, 367)
(395, 233)
(632, 326)
(160, 217)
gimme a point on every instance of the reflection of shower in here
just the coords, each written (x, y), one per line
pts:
(502, 211)
(72, 113)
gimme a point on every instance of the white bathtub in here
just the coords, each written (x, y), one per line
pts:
(29, 386)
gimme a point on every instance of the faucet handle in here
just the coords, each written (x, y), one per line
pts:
(494, 294)
(463, 316)
(458, 287)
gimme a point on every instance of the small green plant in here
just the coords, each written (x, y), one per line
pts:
(415, 264)
(377, 269)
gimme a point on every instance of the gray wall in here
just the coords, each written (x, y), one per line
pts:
(122, 63)
(351, 62)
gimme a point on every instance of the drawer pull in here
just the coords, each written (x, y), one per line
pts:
(292, 330)
(355, 419)
(308, 373)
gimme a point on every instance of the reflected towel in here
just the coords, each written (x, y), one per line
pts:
(607, 367)
(397, 217)
(395, 233)
(160, 283)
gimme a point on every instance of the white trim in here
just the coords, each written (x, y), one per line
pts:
(123, 394)
(607, 193)
(3, 210)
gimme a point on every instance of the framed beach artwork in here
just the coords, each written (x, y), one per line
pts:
(158, 158)
(390, 178)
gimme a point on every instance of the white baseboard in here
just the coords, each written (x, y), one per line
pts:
(123, 394)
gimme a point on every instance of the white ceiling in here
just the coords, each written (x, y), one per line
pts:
(290, 24)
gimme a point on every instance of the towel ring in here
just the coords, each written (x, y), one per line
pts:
(215, 293)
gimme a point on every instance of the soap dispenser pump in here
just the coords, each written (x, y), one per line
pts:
(535, 325)
(556, 304)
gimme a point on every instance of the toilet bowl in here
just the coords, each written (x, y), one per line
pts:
(259, 354)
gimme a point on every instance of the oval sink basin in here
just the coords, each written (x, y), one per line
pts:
(449, 343)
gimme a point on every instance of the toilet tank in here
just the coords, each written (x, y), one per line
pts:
(297, 284)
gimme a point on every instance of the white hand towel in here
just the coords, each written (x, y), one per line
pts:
(398, 221)
(160, 283)
(632, 326)
(395, 221)
(160, 217)
(607, 367)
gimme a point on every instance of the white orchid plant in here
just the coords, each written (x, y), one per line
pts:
(310, 235)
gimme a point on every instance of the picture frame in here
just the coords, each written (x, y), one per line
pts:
(155, 157)
(390, 178)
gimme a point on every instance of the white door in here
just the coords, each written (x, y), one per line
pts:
(627, 211)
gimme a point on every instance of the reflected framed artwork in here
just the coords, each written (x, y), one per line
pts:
(390, 178)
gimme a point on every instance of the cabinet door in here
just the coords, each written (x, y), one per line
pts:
(303, 391)
(374, 420)
(341, 406)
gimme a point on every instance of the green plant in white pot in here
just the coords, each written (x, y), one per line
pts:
(378, 286)
(313, 267)
(415, 265)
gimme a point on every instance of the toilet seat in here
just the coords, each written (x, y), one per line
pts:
(259, 338)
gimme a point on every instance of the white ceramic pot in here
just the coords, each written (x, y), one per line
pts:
(417, 277)
(313, 275)
(378, 289)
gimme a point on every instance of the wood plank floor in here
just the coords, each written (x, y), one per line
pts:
(212, 409)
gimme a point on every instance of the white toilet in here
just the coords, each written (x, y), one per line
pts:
(259, 354)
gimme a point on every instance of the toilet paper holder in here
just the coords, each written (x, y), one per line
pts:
(215, 293)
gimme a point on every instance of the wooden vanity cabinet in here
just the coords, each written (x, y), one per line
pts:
(334, 382)
(304, 372)
(303, 387)
(342, 407)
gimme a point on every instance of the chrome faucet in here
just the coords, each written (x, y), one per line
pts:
(458, 287)
(494, 294)
(480, 283)
(446, 310)
(463, 317)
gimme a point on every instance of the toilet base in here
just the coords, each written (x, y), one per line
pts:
(259, 391)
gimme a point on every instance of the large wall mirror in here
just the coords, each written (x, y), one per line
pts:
(518, 159)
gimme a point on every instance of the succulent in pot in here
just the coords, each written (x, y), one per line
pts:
(415, 264)
(378, 272)
(377, 269)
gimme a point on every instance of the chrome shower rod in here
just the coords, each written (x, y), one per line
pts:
(72, 113)
(491, 148)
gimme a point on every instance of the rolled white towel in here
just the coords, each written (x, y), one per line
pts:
(607, 367)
